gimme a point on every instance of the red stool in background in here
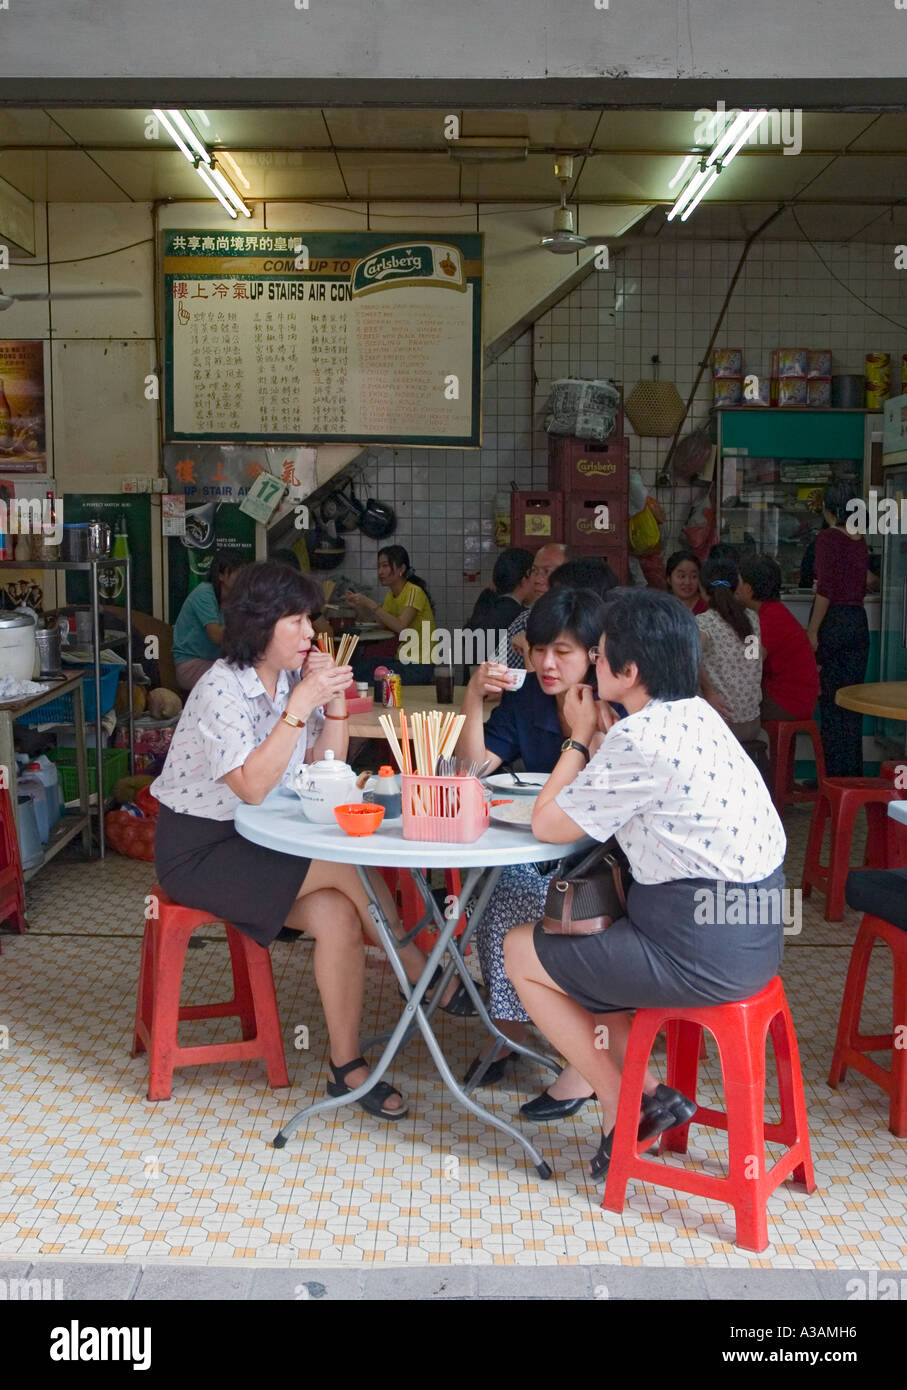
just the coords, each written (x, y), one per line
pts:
(841, 798)
(158, 1010)
(740, 1031)
(894, 772)
(412, 908)
(12, 885)
(782, 742)
(882, 896)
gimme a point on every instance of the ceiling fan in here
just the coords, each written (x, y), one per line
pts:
(8, 300)
(563, 239)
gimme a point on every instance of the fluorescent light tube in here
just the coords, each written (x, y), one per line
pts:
(174, 134)
(683, 169)
(226, 158)
(686, 194)
(740, 122)
(227, 187)
(750, 129)
(202, 169)
(189, 135)
(700, 194)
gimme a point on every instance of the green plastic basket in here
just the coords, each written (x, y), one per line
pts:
(115, 765)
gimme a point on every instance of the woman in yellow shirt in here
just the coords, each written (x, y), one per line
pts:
(406, 611)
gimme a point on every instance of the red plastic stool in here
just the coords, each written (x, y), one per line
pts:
(740, 1032)
(12, 885)
(782, 742)
(894, 772)
(883, 896)
(158, 1010)
(841, 798)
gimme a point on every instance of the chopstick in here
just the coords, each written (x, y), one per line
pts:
(344, 653)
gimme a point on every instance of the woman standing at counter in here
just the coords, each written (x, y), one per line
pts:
(406, 611)
(839, 631)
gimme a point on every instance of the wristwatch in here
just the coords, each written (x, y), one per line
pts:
(292, 720)
(580, 747)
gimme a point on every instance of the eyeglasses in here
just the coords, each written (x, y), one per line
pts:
(595, 654)
(546, 570)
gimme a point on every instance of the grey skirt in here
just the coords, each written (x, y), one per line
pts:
(206, 864)
(680, 943)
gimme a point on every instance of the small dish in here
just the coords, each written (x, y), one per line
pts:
(359, 818)
(514, 813)
(504, 784)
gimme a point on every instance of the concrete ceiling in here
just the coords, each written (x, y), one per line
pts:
(847, 182)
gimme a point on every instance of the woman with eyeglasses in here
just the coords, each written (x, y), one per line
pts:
(694, 817)
(529, 724)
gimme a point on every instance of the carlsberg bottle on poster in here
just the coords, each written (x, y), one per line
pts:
(112, 582)
(6, 421)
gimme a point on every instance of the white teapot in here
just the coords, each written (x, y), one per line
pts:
(322, 786)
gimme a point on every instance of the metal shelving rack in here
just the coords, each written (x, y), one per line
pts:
(92, 566)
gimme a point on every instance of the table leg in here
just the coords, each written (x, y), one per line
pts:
(413, 1011)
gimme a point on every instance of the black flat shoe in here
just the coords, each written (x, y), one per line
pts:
(546, 1107)
(493, 1073)
(653, 1119)
(459, 1004)
(666, 1098)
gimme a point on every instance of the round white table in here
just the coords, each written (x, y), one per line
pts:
(279, 823)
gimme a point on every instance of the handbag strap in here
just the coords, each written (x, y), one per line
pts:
(589, 862)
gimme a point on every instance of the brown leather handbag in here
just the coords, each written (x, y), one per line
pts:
(588, 897)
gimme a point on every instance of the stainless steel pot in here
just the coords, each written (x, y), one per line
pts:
(48, 640)
(100, 540)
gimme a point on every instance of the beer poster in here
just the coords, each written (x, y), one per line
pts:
(23, 446)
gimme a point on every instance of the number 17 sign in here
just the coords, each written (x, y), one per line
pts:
(263, 497)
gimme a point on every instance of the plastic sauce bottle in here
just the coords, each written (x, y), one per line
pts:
(385, 790)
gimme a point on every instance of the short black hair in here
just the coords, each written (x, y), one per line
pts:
(578, 612)
(678, 558)
(262, 594)
(763, 574)
(660, 635)
(593, 572)
(223, 562)
(837, 498)
(511, 568)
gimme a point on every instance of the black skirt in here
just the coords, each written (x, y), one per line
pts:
(671, 949)
(206, 864)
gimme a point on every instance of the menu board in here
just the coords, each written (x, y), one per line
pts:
(340, 337)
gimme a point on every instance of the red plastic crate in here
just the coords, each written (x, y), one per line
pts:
(536, 518)
(589, 528)
(578, 465)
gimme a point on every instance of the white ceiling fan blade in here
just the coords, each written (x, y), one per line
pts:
(597, 240)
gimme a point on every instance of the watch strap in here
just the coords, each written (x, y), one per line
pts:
(580, 747)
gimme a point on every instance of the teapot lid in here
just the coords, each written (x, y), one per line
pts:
(331, 766)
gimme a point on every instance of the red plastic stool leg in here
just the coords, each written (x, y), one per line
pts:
(813, 874)
(170, 954)
(145, 1000)
(852, 1003)
(685, 1047)
(243, 994)
(794, 1127)
(897, 1121)
(265, 1018)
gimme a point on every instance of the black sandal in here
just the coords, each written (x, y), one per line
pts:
(373, 1100)
(459, 1004)
(653, 1119)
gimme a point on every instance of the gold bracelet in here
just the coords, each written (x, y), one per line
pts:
(335, 716)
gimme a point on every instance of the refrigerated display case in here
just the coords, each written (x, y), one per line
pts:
(773, 468)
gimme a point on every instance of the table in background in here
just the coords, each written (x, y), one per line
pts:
(883, 699)
(71, 823)
(279, 823)
(415, 698)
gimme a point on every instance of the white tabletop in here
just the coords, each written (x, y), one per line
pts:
(897, 810)
(280, 823)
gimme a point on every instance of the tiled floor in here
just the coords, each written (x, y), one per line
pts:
(89, 1169)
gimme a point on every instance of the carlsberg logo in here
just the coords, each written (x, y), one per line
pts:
(395, 264)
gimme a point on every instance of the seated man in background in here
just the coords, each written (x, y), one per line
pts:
(790, 676)
(546, 561)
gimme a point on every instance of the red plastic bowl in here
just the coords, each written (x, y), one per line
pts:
(359, 818)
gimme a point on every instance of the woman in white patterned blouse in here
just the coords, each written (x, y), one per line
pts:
(691, 812)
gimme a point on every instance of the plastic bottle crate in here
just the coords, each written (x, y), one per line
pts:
(114, 766)
(62, 711)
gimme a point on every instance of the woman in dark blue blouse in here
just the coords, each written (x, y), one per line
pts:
(528, 725)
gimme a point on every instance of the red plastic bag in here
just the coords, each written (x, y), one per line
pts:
(129, 836)
(147, 803)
